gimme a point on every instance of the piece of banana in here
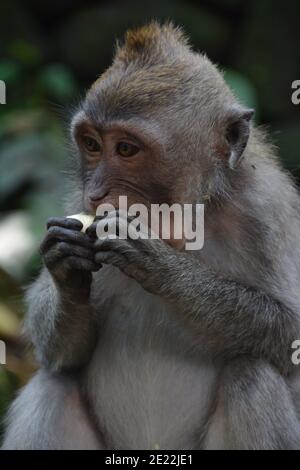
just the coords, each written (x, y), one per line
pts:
(85, 219)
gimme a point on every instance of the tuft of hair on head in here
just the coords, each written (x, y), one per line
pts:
(150, 43)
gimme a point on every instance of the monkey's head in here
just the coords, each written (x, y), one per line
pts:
(159, 126)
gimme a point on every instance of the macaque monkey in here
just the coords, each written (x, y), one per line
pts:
(143, 344)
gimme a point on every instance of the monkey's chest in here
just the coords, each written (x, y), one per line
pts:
(148, 389)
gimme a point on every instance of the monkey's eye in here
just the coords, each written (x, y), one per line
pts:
(127, 150)
(91, 144)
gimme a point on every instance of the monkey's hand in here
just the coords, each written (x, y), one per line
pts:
(69, 257)
(148, 261)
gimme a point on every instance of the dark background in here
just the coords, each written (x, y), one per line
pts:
(51, 51)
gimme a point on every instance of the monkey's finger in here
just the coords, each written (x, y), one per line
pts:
(82, 264)
(61, 249)
(62, 234)
(64, 222)
(115, 245)
(119, 261)
(55, 261)
(109, 257)
(91, 230)
(136, 251)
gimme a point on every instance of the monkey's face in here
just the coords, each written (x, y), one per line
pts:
(122, 159)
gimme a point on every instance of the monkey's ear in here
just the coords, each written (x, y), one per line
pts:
(237, 133)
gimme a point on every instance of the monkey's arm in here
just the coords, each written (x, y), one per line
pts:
(60, 327)
(60, 319)
(231, 319)
(234, 319)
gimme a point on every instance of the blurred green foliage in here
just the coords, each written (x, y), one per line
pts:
(49, 54)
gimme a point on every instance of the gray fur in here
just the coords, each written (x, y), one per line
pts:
(172, 349)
